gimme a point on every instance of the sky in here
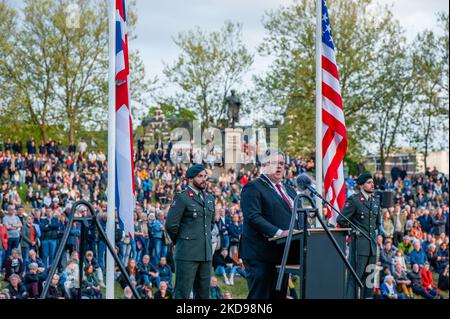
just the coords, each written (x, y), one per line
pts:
(160, 21)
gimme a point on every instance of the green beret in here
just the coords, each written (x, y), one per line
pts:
(364, 177)
(194, 170)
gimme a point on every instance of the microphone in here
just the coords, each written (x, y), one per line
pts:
(304, 182)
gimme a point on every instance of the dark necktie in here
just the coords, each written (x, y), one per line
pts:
(282, 195)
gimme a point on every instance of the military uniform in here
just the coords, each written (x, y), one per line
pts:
(189, 224)
(364, 212)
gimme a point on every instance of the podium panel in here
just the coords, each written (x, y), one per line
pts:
(325, 270)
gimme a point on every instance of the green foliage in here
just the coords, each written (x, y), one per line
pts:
(53, 63)
(373, 68)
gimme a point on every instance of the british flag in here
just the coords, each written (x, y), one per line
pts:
(125, 199)
(334, 132)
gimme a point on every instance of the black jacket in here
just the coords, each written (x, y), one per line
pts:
(265, 212)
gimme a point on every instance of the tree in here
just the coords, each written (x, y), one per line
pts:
(358, 31)
(208, 67)
(55, 64)
(392, 94)
(430, 114)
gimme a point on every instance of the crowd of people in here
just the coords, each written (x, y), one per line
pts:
(40, 183)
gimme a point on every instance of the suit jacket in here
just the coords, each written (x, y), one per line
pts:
(265, 212)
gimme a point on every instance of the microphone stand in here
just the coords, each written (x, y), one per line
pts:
(356, 228)
(313, 212)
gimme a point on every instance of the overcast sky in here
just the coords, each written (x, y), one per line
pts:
(160, 21)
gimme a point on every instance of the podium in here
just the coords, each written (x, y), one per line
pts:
(326, 272)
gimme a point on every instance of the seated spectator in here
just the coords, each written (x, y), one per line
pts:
(429, 241)
(389, 290)
(147, 291)
(227, 295)
(387, 257)
(91, 260)
(33, 281)
(416, 282)
(406, 246)
(214, 290)
(442, 257)
(417, 255)
(148, 272)
(16, 289)
(132, 272)
(163, 292)
(56, 289)
(223, 265)
(127, 293)
(90, 287)
(14, 265)
(443, 279)
(165, 272)
(431, 256)
(33, 258)
(400, 260)
(403, 283)
(4, 294)
(427, 281)
(71, 280)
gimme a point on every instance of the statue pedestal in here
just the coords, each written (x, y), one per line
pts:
(233, 148)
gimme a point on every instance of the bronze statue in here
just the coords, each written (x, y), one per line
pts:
(234, 104)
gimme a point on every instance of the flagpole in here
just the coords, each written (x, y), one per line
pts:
(319, 171)
(110, 224)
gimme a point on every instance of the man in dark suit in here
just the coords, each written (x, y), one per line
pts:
(267, 206)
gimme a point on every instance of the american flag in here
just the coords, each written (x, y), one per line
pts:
(334, 132)
(125, 199)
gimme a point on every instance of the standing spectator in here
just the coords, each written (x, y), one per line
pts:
(439, 222)
(155, 235)
(235, 231)
(49, 227)
(399, 221)
(82, 147)
(29, 236)
(386, 226)
(426, 221)
(3, 245)
(13, 226)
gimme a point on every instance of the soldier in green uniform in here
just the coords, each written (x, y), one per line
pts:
(363, 210)
(189, 224)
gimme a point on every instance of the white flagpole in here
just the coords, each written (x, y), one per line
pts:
(319, 170)
(110, 224)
